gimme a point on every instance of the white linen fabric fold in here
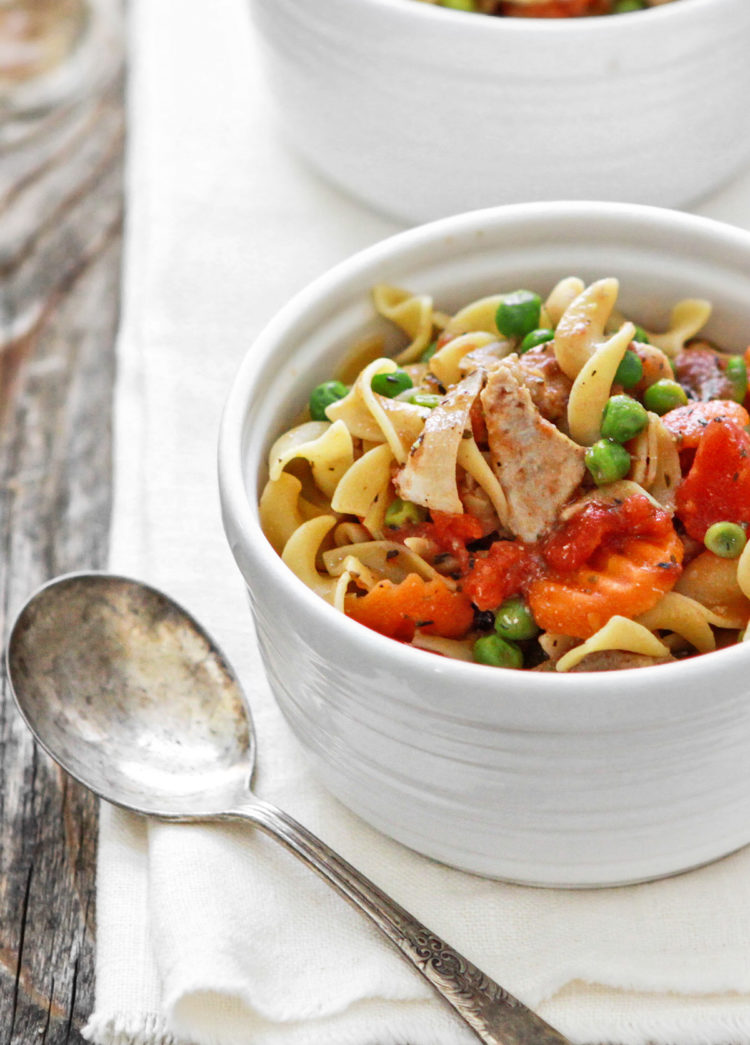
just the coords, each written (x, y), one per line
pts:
(212, 934)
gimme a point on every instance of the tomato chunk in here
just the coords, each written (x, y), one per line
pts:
(688, 423)
(573, 544)
(717, 487)
(493, 578)
(454, 532)
(448, 532)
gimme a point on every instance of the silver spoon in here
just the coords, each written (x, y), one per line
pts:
(129, 695)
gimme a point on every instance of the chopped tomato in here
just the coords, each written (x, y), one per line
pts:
(688, 423)
(717, 487)
(493, 578)
(606, 560)
(573, 544)
(397, 610)
(448, 532)
(454, 532)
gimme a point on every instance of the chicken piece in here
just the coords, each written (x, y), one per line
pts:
(617, 660)
(549, 386)
(537, 466)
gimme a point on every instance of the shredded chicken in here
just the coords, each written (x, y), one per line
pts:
(538, 467)
(485, 357)
(617, 660)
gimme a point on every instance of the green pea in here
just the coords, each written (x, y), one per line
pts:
(736, 371)
(663, 396)
(607, 462)
(630, 370)
(492, 650)
(429, 352)
(534, 338)
(622, 418)
(323, 395)
(726, 539)
(391, 385)
(514, 620)
(459, 5)
(428, 399)
(518, 313)
(621, 7)
(403, 513)
(641, 336)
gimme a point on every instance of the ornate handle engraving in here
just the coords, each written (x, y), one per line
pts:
(495, 1016)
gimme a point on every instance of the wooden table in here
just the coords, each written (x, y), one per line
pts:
(61, 210)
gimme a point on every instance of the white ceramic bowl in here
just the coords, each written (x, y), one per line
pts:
(422, 111)
(583, 779)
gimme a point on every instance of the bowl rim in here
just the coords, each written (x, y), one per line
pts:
(239, 513)
(515, 24)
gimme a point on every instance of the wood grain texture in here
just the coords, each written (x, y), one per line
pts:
(61, 204)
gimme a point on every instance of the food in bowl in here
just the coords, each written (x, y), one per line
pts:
(548, 8)
(548, 778)
(528, 484)
(601, 108)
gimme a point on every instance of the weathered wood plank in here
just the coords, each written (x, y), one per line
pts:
(60, 246)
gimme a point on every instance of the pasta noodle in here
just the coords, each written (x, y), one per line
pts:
(593, 385)
(411, 312)
(688, 317)
(618, 633)
(446, 363)
(328, 448)
(581, 326)
(528, 483)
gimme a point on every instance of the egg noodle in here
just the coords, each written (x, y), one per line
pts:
(528, 484)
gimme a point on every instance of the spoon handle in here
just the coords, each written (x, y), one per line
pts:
(495, 1016)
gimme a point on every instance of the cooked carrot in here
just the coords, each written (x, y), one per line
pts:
(688, 423)
(397, 610)
(606, 561)
(624, 583)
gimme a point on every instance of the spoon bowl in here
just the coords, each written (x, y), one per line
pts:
(126, 691)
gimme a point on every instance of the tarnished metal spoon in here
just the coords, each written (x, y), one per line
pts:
(130, 695)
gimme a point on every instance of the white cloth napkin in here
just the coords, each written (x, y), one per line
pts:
(213, 935)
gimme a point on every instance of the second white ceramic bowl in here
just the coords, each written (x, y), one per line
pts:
(422, 111)
(584, 779)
